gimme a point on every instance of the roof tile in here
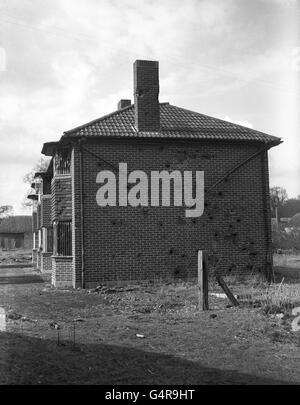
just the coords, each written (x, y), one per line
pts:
(175, 122)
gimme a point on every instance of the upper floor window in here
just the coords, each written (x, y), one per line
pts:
(46, 186)
(62, 161)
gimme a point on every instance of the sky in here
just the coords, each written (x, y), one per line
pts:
(66, 62)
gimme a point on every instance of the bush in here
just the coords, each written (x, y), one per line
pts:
(295, 221)
(286, 240)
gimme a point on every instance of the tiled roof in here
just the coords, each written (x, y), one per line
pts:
(16, 224)
(175, 122)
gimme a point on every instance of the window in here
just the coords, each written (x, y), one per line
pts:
(62, 237)
(48, 240)
(49, 246)
(62, 162)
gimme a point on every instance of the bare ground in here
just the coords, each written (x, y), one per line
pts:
(143, 334)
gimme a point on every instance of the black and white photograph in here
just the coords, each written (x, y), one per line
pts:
(149, 195)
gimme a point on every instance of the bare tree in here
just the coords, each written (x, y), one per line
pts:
(5, 211)
(278, 196)
(28, 178)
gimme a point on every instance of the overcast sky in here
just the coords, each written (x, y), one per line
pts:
(66, 62)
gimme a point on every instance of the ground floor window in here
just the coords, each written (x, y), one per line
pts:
(47, 240)
(62, 238)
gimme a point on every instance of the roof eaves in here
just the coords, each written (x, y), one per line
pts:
(237, 126)
(48, 148)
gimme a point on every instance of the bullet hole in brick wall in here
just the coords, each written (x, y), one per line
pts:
(194, 221)
(206, 204)
(220, 193)
(140, 93)
(231, 268)
(176, 272)
(183, 255)
(231, 237)
(168, 165)
(180, 272)
(253, 254)
(99, 164)
(206, 156)
(115, 222)
(238, 220)
(211, 217)
(160, 224)
(171, 251)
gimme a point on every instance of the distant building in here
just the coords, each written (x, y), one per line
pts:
(16, 232)
(85, 242)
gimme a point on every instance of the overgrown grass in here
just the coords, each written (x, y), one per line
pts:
(280, 298)
(255, 291)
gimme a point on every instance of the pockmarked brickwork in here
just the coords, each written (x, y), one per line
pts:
(128, 243)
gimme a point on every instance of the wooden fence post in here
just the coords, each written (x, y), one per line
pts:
(227, 291)
(202, 281)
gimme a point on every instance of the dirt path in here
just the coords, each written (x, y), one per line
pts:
(19, 275)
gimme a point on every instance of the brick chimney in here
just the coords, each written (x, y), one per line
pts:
(146, 89)
(123, 103)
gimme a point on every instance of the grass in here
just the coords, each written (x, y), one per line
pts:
(180, 345)
(150, 333)
(282, 298)
(15, 256)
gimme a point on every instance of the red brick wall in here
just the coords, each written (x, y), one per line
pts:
(61, 200)
(146, 88)
(76, 217)
(46, 212)
(123, 243)
(46, 262)
(62, 271)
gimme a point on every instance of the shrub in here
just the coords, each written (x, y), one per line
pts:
(295, 221)
(286, 240)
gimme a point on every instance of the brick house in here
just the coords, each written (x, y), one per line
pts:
(16, 232)
(94, 244)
